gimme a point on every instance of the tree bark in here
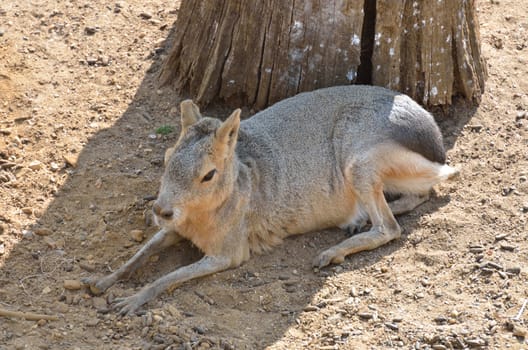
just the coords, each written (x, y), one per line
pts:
(257, 52)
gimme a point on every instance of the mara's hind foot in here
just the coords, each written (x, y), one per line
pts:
(384, 228)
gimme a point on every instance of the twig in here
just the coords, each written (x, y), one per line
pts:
(27, 315)
(519, 314)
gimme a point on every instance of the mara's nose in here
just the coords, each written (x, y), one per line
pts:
(164, 213)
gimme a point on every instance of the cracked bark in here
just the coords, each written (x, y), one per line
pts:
(257, 52)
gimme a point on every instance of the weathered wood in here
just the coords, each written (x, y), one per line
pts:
(257, 52)
(428, 49)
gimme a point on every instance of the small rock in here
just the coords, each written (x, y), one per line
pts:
(392, 326)
(27, 210)
(41, 323)
(70, 159)
(521, 115)
(46, 290)
(2, 31)
(440, 319)
(501, 236)
(145, 15)
(54, 166)
(438, 347)
(2, 249)
(493, 265)
(35, 165)
(99, 304)
(290, 289)
(137, 235)
(72, 284)
(475, 342)
(514, 270)
(105, 60)
(508, 247)
(476, 249)
(92, 322)
(87, 266)
(365, 315)
(476, 127)
(519, 331)
(42, 231)
(91, 61)
(200, 329)
(90, 30)
(311, 308)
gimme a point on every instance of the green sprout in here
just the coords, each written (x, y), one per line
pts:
(164, 129)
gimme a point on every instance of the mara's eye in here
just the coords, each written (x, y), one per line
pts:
(209, 176)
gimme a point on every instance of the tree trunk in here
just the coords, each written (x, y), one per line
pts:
(257, 52)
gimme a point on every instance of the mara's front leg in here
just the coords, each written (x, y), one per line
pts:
(162, 239)
(206, 266)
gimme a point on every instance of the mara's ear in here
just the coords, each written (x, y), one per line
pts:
(190, 113)
(226, 135)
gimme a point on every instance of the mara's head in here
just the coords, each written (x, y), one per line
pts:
(199, 170)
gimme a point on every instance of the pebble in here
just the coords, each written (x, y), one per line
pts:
(475, 342)
(493, 265)
(2, 31)
(514, 270)
(145, 15)
(519, 331)
(2, 249)
(87, 266)
(70, 159)
(90, 30)
(91, 61)
(137, 235)
(501, 236)
(311, 308)
(200, 329)
(508, 247)
(440, 319)
(42, 231)
(92, 322)
(438, 347)
(27, 210)
(365, 315)
(392, 326)
(35, 165)
(72, 284)
(100, 304)
(54, 166)
(476, 249)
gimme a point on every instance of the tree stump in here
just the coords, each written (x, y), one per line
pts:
(257, 52)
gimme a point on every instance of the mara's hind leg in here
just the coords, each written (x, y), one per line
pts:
(407, 202)
(384, 228)
(404, 204)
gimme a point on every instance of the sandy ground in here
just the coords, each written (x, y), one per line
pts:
(80, 161)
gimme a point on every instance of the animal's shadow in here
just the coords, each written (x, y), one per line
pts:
(107, 195)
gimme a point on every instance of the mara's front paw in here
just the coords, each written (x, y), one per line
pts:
(328, 257)
(97, 285)
(128, 306)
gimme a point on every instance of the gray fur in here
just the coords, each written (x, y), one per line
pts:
(316, 160)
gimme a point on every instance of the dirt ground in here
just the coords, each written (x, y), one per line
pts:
(80, 162)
